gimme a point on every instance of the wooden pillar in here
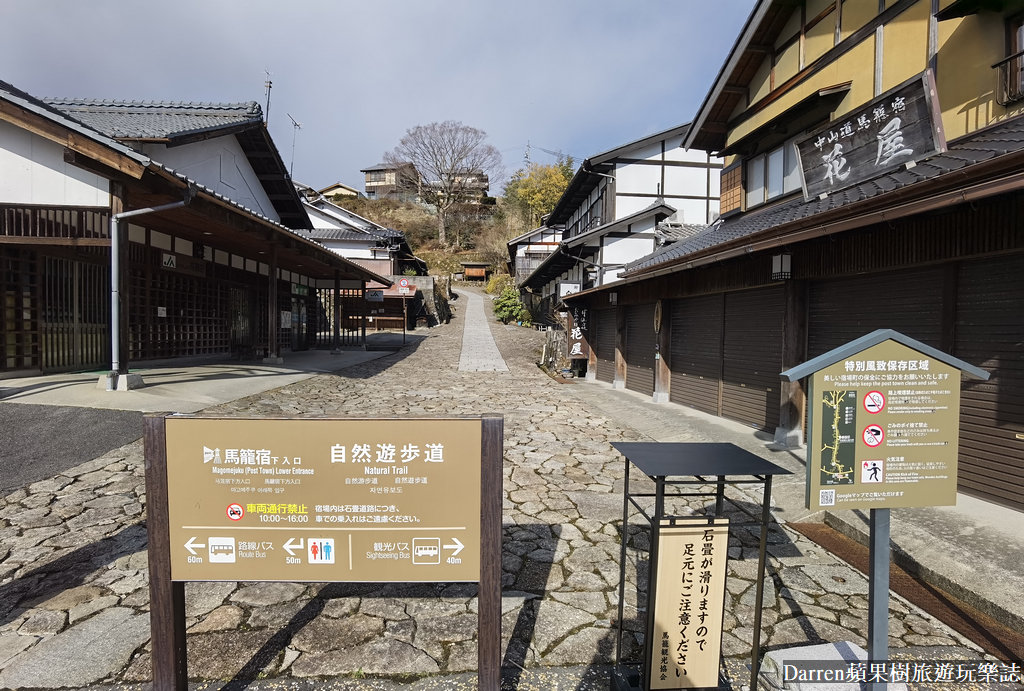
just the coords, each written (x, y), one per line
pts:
(337, 311)
(272, 315)
(792, 397)
(362, 320)
(620, 348)
(662, 373)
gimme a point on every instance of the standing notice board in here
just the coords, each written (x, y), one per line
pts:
(324, 500)
(883, 430)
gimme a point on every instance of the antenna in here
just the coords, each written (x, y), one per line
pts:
(526, 156)
(269, 85)
(296, 126)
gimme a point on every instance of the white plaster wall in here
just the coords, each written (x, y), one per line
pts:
(33, 171)
(635, 178)
(221, 165)
(626, 206)
(348, 249)
(624, 250)
(692, 182)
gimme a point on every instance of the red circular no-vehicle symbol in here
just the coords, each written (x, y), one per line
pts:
(403, 283)
(235, 512)
(874, 402)
(873, 435)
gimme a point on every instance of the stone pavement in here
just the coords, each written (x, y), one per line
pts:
(73, 564)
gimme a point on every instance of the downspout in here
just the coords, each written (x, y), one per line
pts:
(112, 381)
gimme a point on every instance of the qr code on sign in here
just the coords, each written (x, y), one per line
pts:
(827, 497)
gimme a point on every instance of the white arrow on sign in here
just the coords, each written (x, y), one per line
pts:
(458, 546)
(292, 545)
(192, 543)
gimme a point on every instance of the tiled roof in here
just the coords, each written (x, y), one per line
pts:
(984, 145)
(155, 120)
(674, 232)
(342, 234)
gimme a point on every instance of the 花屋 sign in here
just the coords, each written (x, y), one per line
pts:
(576, 328)
(324, 500)
(899, 127)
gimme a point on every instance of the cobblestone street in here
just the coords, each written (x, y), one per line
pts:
(73, 563)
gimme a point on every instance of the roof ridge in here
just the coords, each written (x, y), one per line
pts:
(250, 107)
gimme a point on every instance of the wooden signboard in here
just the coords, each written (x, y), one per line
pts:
(576, 327)
(900, 127)
(324, 500)
(689, 600)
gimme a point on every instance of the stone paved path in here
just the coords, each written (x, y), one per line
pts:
(73, 569)
(479, 352)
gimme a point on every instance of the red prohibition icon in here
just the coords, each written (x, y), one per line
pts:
(235, 512)
(874, 402)
(873, 435)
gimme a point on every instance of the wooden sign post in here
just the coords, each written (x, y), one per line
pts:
(321, 500)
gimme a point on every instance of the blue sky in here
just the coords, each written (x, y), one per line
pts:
(577, 76)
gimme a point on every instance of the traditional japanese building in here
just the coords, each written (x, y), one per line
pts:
(871, 180)
(620, 205)
(205, 262)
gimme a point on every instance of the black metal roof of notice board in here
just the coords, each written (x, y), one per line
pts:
(874, 338)
(675, 459)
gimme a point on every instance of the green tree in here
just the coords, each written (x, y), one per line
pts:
(538, 188)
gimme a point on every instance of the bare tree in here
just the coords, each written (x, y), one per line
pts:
(453, 164)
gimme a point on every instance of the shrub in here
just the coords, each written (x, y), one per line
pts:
(498, 283)
(508, 307)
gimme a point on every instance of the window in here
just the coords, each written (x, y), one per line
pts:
(772, 174)
(1010, 71)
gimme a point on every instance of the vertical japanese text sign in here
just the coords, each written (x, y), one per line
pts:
(883, 424)
(576, 328)
(689, 604)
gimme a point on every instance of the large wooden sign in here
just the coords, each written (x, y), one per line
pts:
(324, 500)
(900, 127)
(689, 600)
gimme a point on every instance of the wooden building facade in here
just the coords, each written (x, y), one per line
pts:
(929, 244)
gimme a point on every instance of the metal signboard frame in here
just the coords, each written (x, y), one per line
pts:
(321, 557)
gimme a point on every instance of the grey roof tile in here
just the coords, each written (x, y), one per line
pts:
(153, 119)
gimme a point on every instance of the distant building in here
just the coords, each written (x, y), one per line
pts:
(339, 189)
(391, 181)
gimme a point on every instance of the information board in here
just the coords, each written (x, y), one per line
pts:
(379, 500)
(689, 603)
(884, 428)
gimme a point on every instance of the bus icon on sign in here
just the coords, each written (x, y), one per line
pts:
(235, 512)
(426, 550)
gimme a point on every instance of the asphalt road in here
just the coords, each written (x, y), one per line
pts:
(40, 441)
